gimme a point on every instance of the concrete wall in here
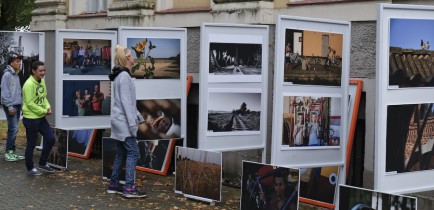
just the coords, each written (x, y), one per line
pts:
(181, 4)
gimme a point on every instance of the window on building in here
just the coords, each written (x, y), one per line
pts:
(81, 7)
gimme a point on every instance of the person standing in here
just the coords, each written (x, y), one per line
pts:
(35, 108)
(12, 101)
(124, 120)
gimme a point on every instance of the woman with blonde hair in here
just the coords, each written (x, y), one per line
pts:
(124, 121)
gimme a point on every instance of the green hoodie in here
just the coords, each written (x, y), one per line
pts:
(35, 103)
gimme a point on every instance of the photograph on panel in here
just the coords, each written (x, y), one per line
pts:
(162, 119)
(235, 59)
(268, 187)
(230, 113)
(313, 57)
(410, 57)
(155, 154)
(86, 98)
(19, 43)
(80, 142)
(361, 198)
(198, 173)
(86, 56)
(108, 158)
(155, 58)
(58, 156)
(319, 184)
(410, 138)
(311, 122)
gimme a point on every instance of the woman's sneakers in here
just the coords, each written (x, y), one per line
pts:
(34, 172)
(115, 189)
(133, 192)
(46, 168)
(11, 156)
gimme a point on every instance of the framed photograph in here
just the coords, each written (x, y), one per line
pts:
(318, 185)
(28, 44)
(76, 75)
(155, 155)
(410, 56)
(360, 198)
(236, 69)
(355, 92)
(234, 113)
(108, 159)
(316, 61)
(409, 138)
(58, 157)
(269, 187)
(403, 99)
(235, 59)
(80, 142)
(86, 98)
(198, 173)
(160, 73)
(310, 97)
(162, 119)
(311, 122)
(155, 58)
(234, 53)
(87, 56)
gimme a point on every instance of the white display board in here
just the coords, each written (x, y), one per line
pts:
(82, 73)
(167, 48)
(310, 92)
(28, 44)
(403, 79)
(233, 87)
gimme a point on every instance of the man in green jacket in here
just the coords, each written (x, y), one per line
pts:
(35, 108)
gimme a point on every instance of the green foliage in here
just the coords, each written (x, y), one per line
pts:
(15, 14)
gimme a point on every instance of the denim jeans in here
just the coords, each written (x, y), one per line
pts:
(12, 126)
(129, 149)
(33, 127)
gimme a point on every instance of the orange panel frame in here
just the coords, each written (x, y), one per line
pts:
(352, 128)
(166, 164)
(89, 147)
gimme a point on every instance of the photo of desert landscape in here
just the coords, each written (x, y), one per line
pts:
(155, 58)
(198, 173)
(234, 112)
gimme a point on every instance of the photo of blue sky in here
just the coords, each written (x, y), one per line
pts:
(407, 33)
(165, 48)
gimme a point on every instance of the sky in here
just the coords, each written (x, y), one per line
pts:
(165, 48)
(229, 101)
(407, 33)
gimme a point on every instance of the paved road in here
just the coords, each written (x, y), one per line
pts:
(81, 187)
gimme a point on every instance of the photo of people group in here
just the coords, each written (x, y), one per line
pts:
(86, 97)
(313, 57)
(162, 119)
(311, 121)
(155, 58)
(267, 187)
(86, 56)
(235, 59)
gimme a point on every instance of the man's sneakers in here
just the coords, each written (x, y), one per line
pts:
(46, 168)
(11, 156)
(113, 189)
(132, 192)
(34, 172)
